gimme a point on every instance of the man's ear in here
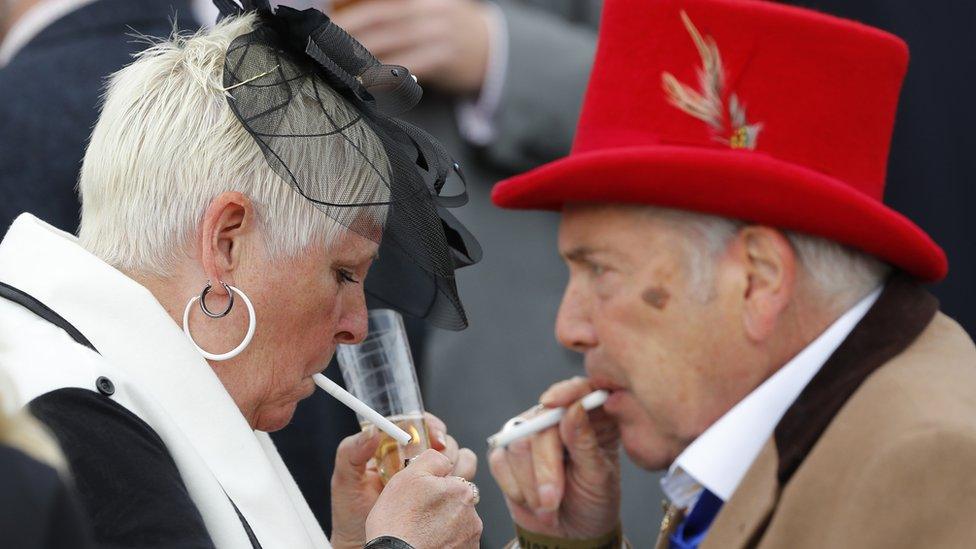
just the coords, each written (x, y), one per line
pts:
(769, 264)
(226, 223)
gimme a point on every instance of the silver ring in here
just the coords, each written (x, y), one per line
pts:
(475, 492)
(203, 301)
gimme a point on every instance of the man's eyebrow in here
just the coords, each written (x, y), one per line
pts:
(581, 253)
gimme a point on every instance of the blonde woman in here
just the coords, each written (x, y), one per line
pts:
(235, 193)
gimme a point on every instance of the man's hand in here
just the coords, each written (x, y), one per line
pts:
(565, 481)
(444, 43)
(356, 484)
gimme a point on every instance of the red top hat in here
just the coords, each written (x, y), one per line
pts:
(745, 109)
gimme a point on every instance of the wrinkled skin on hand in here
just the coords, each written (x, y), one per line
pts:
(565, 481)
(427, 507)
(357, 487)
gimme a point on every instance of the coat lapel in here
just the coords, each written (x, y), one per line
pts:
(744, 517)
(898, 317)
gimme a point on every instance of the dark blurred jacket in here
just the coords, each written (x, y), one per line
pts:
(37, 509)
(50, 95)
(932, 168)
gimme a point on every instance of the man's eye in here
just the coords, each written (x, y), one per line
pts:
(597, 270)
(344, 277)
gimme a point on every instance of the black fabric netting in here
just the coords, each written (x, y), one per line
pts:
(321, 113)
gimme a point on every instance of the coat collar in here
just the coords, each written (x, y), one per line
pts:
(898, 317)
(134, 333)
(896, 320)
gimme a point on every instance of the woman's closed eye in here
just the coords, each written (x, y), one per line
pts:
(345, 276)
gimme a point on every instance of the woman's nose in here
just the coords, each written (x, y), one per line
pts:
(352, 326)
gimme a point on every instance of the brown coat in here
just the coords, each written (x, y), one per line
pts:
(878, 451)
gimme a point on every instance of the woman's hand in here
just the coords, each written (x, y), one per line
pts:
(427, 507)
(356, 483)
(565, 481)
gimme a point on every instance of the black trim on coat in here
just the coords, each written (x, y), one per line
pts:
(895, 321)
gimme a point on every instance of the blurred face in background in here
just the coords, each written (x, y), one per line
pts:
(5, 9)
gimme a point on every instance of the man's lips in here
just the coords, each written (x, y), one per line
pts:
(605, 384)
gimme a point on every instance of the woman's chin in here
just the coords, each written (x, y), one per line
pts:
(277, 416)
(276, 419)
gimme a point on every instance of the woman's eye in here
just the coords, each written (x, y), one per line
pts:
(345, 277)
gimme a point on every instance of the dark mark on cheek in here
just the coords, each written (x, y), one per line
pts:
(656, 297)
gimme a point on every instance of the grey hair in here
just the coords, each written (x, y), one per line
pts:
(839, 274)
(167, 143)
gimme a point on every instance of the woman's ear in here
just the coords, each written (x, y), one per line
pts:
(227, 223)
(769, 264)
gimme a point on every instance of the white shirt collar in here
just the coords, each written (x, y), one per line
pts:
(720, 457)
(33, 22)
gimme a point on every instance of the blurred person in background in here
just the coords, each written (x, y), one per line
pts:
(38, 507)
(53, 63)
(167, 441)
(738, 286)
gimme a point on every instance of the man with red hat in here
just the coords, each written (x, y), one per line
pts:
(740, 289)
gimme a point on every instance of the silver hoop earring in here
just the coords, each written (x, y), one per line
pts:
(203, 301)
(251, 324)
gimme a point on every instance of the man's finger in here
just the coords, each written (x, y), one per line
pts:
(547, 459)
(400, 36)
(519, 456)
(424, 61)
(502, 471)
(566, 392)
(581, 441)
(365, 14)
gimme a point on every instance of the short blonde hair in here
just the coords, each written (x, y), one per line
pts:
(167, 143)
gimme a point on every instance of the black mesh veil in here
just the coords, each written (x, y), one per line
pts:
(321, 107)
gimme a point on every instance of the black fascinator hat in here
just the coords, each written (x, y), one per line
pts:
(283, 79)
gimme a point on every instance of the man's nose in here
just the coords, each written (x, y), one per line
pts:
(574, 330)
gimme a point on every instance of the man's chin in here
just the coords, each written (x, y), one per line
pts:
(647, 451)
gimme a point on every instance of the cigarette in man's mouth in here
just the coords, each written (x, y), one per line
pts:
(362, 409)
(516, 429)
